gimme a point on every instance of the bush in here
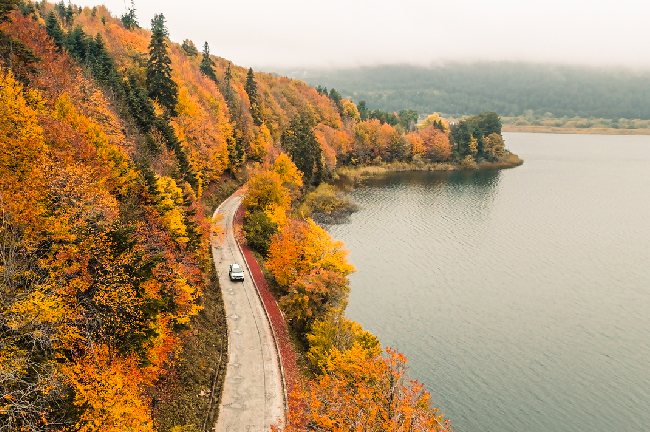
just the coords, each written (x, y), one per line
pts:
(327, 205)
(468, 163)
(259, 229)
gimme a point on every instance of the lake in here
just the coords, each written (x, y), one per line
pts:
(521, 297)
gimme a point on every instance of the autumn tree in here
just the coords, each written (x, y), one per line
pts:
(207, 64)
(109, 392)
(23, 155)
(436, 144)
(251, 90)
(289, 173)
(349, 110)
(493, 147)
(267, 202)
(261, 146)
(392, 145)
(416, 144)
(366, 146)
(302, 246)
(437, 121)
(160, 85)
(335, 332)
(265, 191)
(362, 391)
(314, 295)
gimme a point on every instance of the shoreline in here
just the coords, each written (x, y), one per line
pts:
(358, 173)
(575, 131)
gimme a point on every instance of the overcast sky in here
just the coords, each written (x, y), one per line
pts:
(308, 33)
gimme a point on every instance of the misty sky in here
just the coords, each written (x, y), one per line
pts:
(309, 33)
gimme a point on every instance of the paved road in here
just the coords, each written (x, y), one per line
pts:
(253, 397)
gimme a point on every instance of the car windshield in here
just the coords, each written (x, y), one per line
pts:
(236, 268)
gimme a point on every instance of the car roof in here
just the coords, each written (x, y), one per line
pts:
(235, 266)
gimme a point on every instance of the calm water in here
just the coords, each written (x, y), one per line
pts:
(521, 297)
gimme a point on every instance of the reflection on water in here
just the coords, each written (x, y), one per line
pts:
(521, 297)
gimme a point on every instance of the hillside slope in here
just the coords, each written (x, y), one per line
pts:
(114, 142)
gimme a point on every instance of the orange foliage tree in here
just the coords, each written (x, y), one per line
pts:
(110, 393)
(302, 246)
(436, 144)
(362, 391)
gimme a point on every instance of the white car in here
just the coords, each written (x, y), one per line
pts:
(236, 272)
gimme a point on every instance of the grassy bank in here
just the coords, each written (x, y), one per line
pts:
(576, 130)
(354, 174)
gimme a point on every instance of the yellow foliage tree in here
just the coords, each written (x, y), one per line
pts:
(262, 145)
(350, 110)
(302, 246)
(265, 192)
(170, 202)
(335, 331)
(109, 391)
(313, 296)
(23, 154)
(437, 121)
(289, 173)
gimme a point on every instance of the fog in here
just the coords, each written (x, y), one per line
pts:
(341, 33)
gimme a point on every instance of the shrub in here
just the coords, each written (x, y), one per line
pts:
(259, 229)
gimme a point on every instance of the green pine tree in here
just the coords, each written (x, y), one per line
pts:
(363, 110)
(53, 29)
(6, 6)
(139, 104)
(69, 15)
(301, 144)
(207, 65)
(336, 98)
(13, 53)
(228, 93)
(251, 90)
(129, 19)
(160, 85)
(77, 44)
(189, 48)
(60, 9)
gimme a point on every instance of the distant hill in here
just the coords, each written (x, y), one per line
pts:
(510, 89)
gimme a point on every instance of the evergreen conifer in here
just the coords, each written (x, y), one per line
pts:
(251, 90)
(160, 85)
(207, 65)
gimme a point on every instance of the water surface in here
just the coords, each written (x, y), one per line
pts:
(521, 297)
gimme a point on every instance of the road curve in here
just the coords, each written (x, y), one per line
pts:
(253, 397)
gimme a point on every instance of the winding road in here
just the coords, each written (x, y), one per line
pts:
(253, 394)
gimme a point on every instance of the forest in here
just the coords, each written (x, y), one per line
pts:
(510, 89)
(116, 144)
